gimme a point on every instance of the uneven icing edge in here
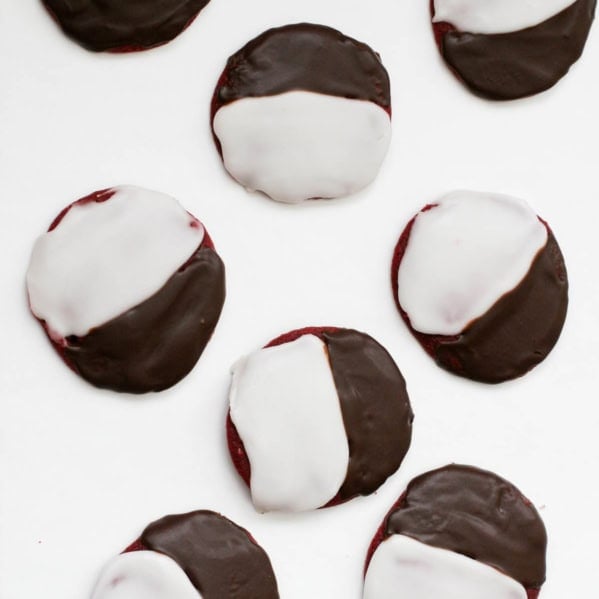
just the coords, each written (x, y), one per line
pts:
(76, 267)
(271, 398)
(444, 288)
(496, 16)
(144, 575)
(309, 145)
(423, 572)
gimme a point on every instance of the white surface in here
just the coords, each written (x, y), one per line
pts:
(463, 255)
(285, 407)
(403, 567)
(144, 575)
(302, 145)
(497, 16)
(104, 258)
(83, 471)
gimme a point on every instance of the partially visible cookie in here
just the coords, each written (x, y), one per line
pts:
(123, 25)
(199, 555)
(128, 288)
(509, 49)
(317, 417)
(303, 112)
(458, 533)
(481, 283)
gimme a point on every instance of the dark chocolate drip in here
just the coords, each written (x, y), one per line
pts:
(154, 345)
(375, 406)
(123, 24)
(477, 514)
(220, 558)
(519, 330)
(304, 57)
(513, 65)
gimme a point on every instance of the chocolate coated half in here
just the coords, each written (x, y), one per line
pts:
(304, 57)
(477, 514)
(122, 25)
(220, 558)
(513, 65)
(155, 344)
(375, 407)
(515, 334)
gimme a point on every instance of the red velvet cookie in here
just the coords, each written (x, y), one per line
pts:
(188, 556)
(128, 288)
(317, 417)
(303, 112)
(123, 25)
(458, 532)
(481, 283)
(511, 49)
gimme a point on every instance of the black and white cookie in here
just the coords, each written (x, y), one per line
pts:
(123, 25)
(458, 533)
(508, 49)
(480, 281)
(318, 416)
(199, 555)
(128, 287)
(303, 112)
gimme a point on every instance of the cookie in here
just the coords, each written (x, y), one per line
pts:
(303, 112)
(481, 283)
(123, 25)
(317, 417)
(509, 49)
(458, 533)
(199, 555)
(128, 288)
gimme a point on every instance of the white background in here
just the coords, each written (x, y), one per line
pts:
(82, 471)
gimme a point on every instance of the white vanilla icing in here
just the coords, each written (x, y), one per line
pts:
(404, 567)
(300, 145)
(144, 575)
(285, 407)
(497, 16)
(105, 258)
(463, 255)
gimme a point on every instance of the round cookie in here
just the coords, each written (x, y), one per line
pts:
(199, 555)
(481, 283)
(317, 417)
(128, 288)
(459, 533)
(303, 112)
(123, 25)
(509, 49)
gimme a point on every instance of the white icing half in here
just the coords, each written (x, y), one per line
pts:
(497, 16)
(301, 145)
(285, 407)
(406, 568)
(463, 255)
(105, 258)
(144, 575)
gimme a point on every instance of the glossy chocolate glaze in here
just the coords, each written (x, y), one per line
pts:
(304, 57)
(478, 514)
(375, 407)
(522, 63)
(123, 24)
(155, 344)
(519, 330)
(219, 557)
